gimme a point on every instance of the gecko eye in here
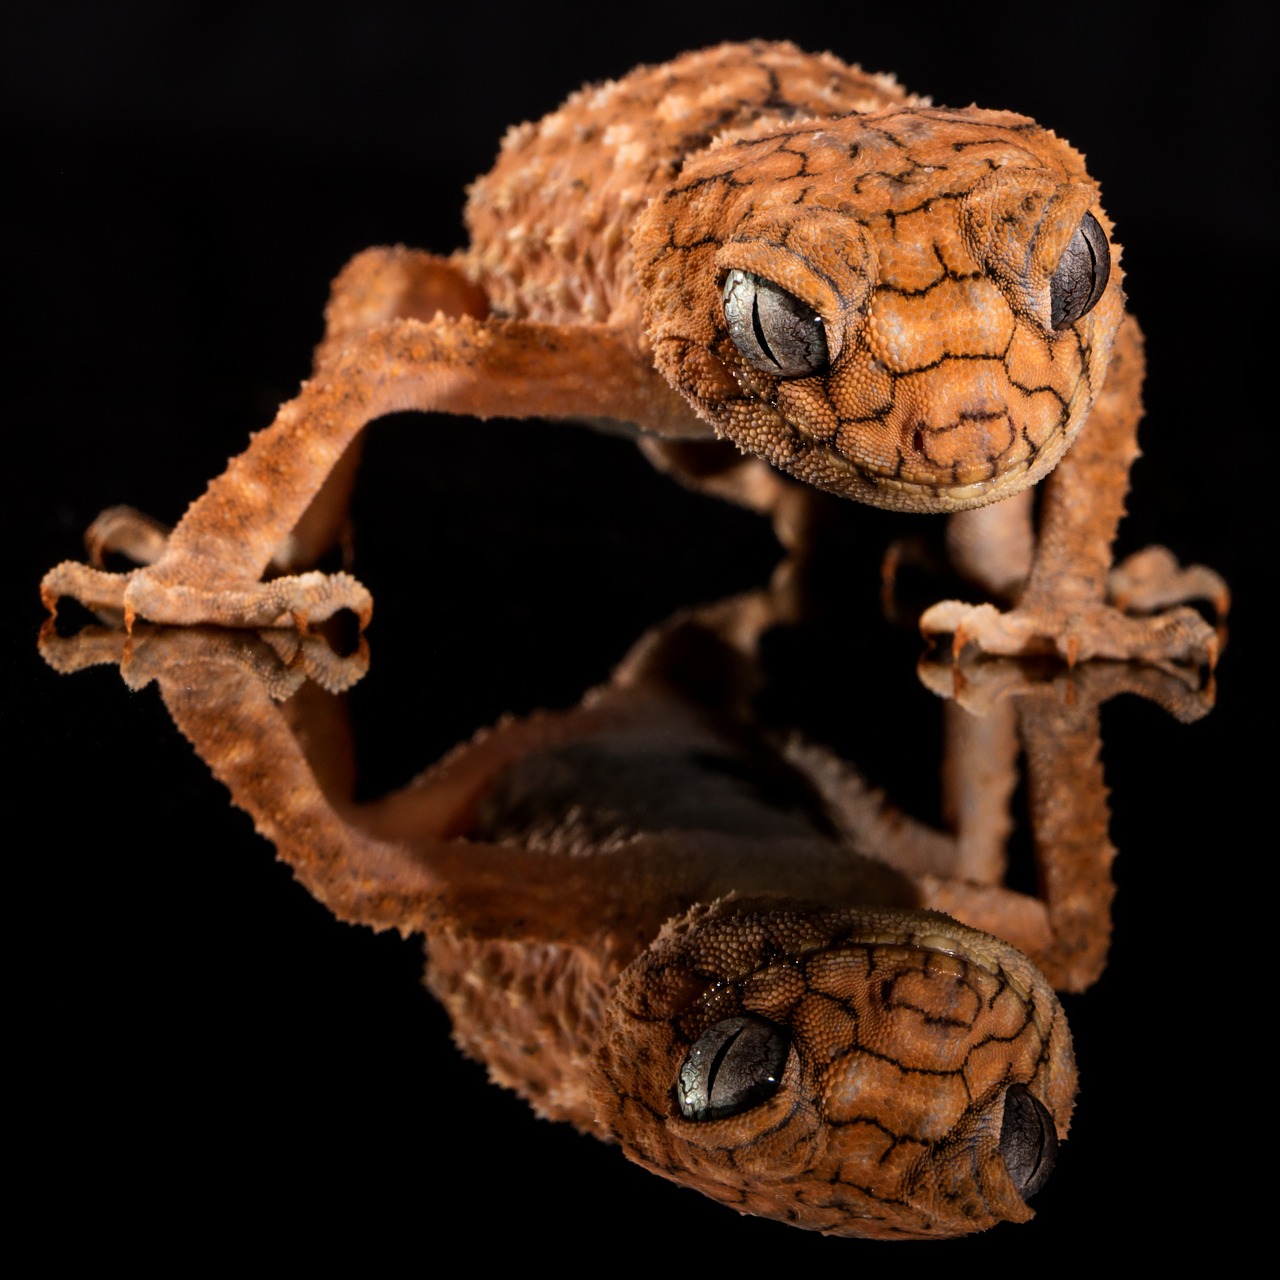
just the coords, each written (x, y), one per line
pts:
(732, 1067)
(1082, 274)
(774, 331)
(1028, 1140)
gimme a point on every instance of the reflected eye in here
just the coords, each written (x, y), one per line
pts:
(731, 1068)
(1082, 274)
(775, 332)
(1028, 1140)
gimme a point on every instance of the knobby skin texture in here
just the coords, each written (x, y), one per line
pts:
(772, 268)
(721, 949)
(926, 241)
(749, 250)
(910, 1043)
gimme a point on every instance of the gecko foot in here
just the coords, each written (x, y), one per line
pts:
(97, 590)
(1152, 579)
(1146, 618)
(298, 600)
(128, 532)
(979, 683)
(1178, 636)
(281, 659)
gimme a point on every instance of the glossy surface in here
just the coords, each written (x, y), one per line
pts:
(213, 1017)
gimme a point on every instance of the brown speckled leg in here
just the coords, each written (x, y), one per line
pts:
(212, 565)
(1066, 928)
(994, 547)
(375, 287)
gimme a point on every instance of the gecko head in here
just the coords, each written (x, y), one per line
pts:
(914, 309)
(886, 1074)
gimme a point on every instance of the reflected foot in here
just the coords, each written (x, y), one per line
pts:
(281, 659)
(981, 684)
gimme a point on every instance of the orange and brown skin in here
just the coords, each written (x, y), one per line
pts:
(584, 932)
(924, 238)
(907, 1030)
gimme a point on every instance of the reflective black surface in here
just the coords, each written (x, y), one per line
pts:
(184, 194)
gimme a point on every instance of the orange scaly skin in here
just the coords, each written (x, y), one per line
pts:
(923, 249)
(606, 891)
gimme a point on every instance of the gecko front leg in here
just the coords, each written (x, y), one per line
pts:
(211, 567)
(1067, 606)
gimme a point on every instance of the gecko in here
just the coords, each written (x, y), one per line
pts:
(768, 266)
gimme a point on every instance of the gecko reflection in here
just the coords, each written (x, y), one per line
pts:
(719, 948)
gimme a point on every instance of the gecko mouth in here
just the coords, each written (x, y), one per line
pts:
(798, 935)
(954, 497)
(826, 467)
(926, 452)
(940, 459)
(954, 435)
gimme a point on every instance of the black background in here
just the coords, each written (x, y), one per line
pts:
(204, 1053)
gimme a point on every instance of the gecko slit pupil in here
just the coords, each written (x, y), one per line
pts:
(773, 330)
(733, 1066)
(758, 329)
(1081, 275)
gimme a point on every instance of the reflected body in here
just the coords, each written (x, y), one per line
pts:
(705, 940)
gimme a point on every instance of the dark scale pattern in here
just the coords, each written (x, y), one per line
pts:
(957, 360)
(928, 259)
(889, 1105)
